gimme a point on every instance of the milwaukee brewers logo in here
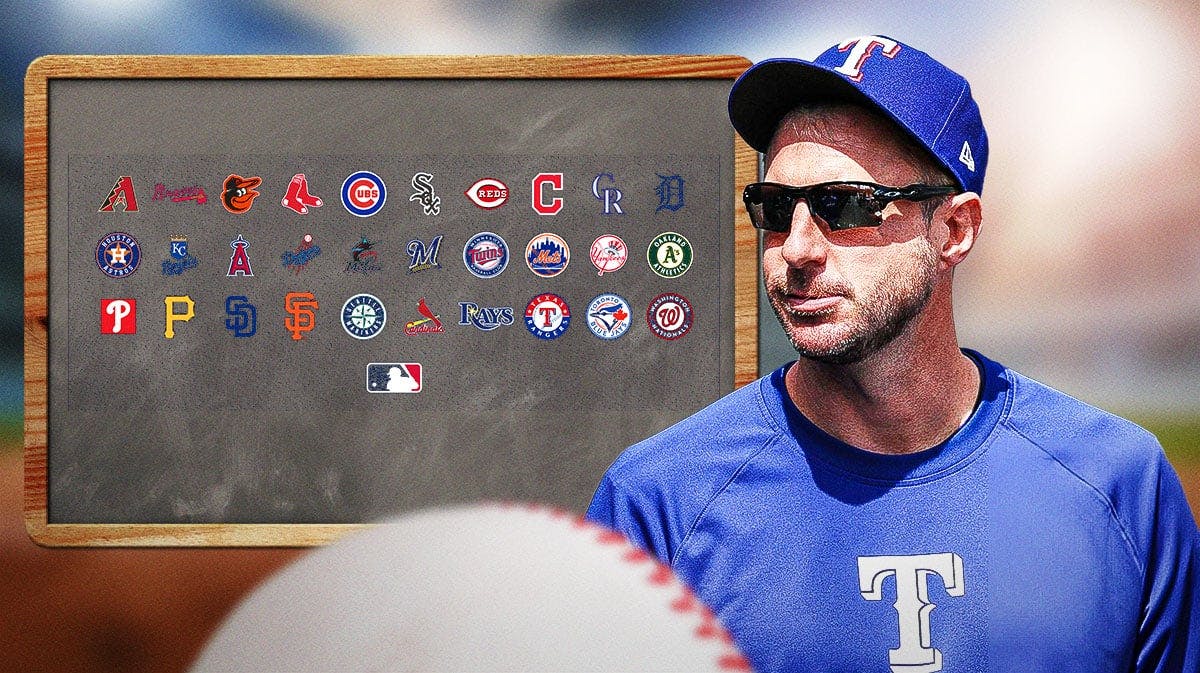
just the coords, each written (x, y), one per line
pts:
(238, 193)
(420, 257)
(243, 316)
(486, 255)
(363, 316)
(547, 255)
(422, 184)
(118, 254)
(300, 307)
(669, 316)
(118, 316)
(363, 193)
(609, 316)
(547, 316)
(121, 195)
(669, 255)
(608, 254)
(488, 193)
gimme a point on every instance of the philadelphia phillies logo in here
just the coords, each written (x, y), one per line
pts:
(118, 316)
(860, 49)
(363, 193)
(912, 575)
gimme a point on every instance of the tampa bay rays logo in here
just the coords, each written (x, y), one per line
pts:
(422, 257)
(243, 316)
(912, 575)
(121, 195)
(860, 49)
(430, 202)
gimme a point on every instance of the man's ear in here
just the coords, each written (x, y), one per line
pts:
(963, 216)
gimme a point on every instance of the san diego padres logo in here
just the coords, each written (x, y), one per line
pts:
(363, 316)
(547, 316)
(669, 254)
(363, 193)
(118, 254)
(669, 316)
(486, 255)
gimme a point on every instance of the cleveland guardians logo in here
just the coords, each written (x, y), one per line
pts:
(486, 255)
(547, 255)
(302, 318)
(363, 316)
(363, 193)
(547, 316)
(121, 195)
(118, 254)
(297, 197)
(669, 316)
(118, 316)
(488, 193)
(238, 194)
(608, 253)
(608, 316)
(543, 203)
(669, 255)
(394, 377)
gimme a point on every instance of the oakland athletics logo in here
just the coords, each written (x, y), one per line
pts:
(363, 316)
(669, 255)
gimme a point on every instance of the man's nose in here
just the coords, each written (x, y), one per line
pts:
(805, 243)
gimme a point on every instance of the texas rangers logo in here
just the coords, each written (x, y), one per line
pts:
(118, 254)
(118, 316)
(486, 255)
(860, 49)
(670, 192)
(911, 576)
(486, 318)
(547, 316)
(363, 193)
(669, 316)
(608, 195)
(608, 316)
(422, 184)
(669, 254)
(363, 316)
(608, 253)
(180, 260)
(239, 261)
(547, 255)
(543, 183)
(301, 308)
(394, 377)
(238, 193)
(422, 257)
(488, 193)
(297, 197)
(304, 253)
(428, 324)
(121, 195)
(243, 316)
(364, 258)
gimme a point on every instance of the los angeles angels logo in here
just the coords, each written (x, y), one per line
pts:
(239, 262)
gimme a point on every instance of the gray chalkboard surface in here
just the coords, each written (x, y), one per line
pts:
(271, 299)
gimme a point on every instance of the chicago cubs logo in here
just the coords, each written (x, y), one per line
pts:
(669, 316)
(180, 260)
(670, 192)
(422, 257)
(121, 195)
(302, 255)
(363, 316)
(669, 255)
(547, 255)
(301, 307)
(545, 182)
(488, 193)
(118, 254)
(297, 197)
(486, 318)
(118, 316)
(172, 302)
(547, 316)
(394, 377)
(428, 324)
(608, 253)
(860, 49)
(486, 255)
(422, 184)
(364, 258)
(609, 195)
(238, 193)
(363, 193)
(243, 316)
(239, 261)
(608, 316)
(193, 193)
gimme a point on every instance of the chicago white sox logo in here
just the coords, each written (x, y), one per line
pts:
(915, 654)
(861, 51)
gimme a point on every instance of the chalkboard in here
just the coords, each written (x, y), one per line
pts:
(271, 299)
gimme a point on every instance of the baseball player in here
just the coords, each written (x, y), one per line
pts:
(889, 501)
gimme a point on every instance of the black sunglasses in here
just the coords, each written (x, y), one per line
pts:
(841, 205)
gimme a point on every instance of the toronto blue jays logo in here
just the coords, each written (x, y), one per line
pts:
(422, 257)
(670, 192)
(609, 316)
(243, 316)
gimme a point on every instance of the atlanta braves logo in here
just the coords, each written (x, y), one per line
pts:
(238, 193)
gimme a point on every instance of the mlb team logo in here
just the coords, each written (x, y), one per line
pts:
(239, 261)
(423, 257)
(363, 193)
(669, 316)
(488, 193)
(238, 193)
(243, 316)
(304, 253)
(118, 316)
(543, 185)
(363, 316)
(608, 254)
(605, 190)
(486, 255)
(394, 377)
(118, 254)
(181, 260)
(428, 323)
(609, 316)
(670, 192)
(297, 197)
(547, 255)
(301, 308)
(669, 255)
(422, 184)
(547, 316)
(486, 318)
(121, 195)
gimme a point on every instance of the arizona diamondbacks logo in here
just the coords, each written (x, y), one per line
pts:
(912, 574)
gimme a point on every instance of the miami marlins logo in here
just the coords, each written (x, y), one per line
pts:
(121, 195)
(363, 257)
(238, 193)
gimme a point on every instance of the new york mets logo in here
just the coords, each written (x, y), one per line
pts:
(363, 193)
(547, 255)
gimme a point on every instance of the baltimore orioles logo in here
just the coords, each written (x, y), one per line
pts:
(238, 193)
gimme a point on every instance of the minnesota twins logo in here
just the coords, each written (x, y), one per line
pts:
(670, 192)
(608, 253)
(610, 196)
(547, 316)
(118, 254)
(394, 377)
(193, 193)
(118, 316)
(121, 195)
(238, 193)
(243, 316)
(422, 257)
(486, 318)
(669, 316)
(301, 306)
(363, 193)
(547, 255)
(180, 259)
(302, 255)
(363, 316)
(239, 261)
(608, 316)
(423, 184)
(297, 197)
(669, 255)
(488, 193)
(486, 255)
(364, 258)
(429, 324)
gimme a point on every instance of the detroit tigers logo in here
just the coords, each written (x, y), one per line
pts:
(860, 49)
(916, 653)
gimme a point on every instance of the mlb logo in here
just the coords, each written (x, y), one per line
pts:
(118, 316)
(394, 377)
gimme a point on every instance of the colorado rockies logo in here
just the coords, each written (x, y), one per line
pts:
(118, 254)
(363, 316)
(669, 316)
(363, 193)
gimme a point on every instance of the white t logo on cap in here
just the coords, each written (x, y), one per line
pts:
(863, 46)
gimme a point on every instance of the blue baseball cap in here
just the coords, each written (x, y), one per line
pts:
(928, 100)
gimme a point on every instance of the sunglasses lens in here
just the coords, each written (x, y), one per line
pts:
(770, 207)
(846, 206)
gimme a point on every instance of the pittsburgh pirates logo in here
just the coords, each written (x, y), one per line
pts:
(300, 306)
(916, 653)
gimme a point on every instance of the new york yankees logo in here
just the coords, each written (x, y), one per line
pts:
(860, 49)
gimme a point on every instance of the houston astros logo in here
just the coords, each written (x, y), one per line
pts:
(547, 316)
(486, 255)
(669, 316)
(363, 193)
(608, 253)
(121, 195)
(669, 255)
(238, 193)
(300, 306)
(608, 316)
(118, 254)
(363, 316)
(547, 255)
(488, 193)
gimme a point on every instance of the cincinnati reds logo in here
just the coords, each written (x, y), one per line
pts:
(238, 194)
(486, 255)
(118, 254)
(300, 306)
(860, 49)
(669, 316)
(363, 193)
(488, 193)
(547, 316)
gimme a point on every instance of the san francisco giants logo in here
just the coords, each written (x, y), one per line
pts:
(301, 306)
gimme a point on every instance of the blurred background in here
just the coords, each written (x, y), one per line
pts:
(1087, 276)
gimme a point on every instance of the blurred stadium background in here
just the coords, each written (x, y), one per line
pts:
(1087, 276)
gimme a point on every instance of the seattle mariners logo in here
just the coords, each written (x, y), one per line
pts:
(431, 203)
(180, 259)
(243, 316)
(363, 193)
(609, 195)
(422, 257)
(118, 254)
(301, 306)
(394, 377)
(547, 316)
(363, 316)
(608, 253)
(486, 255)
(122, 195)
(547, 255)
(669, 255)
(669, 316)
(488, 193)
(486, 318)
(670, 192)
(239, 261)
(608, 316)
(118, 316)
(238, 193)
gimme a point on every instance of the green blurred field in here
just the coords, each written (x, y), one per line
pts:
(1180, 436)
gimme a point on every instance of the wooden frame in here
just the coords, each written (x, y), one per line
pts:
(36, 316)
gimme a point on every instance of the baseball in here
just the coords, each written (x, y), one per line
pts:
(474, 588)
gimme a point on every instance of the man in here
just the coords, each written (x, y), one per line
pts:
(889, 501)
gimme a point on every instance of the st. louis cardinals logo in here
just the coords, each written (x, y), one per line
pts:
(860, 49)
(429, 324)
(912, 575)
(238, 194)
(301, 307)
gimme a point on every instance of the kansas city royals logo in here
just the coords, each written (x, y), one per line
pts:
(486, 255)
(427, 324)
(422, 183)
(669, 316)
(608, 316)
(669, 254)
(912, 575)
(301, 308)
(238, 193)
(297, 197)
(302, 255)
(193, 193)
(173, 316)
(180, 260)
(243, 316)
(547, 316)
(394, 377)
(118, 254)
(363, 193)
(860, 49)
(121, 195)
(422, 257)
(543, 183)
(608, 253)
(609, 195)
(118, 316)
(547, 255)
(670, 192)
(488, 193)
(363, 316)
(239, 261)
(486, 318)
